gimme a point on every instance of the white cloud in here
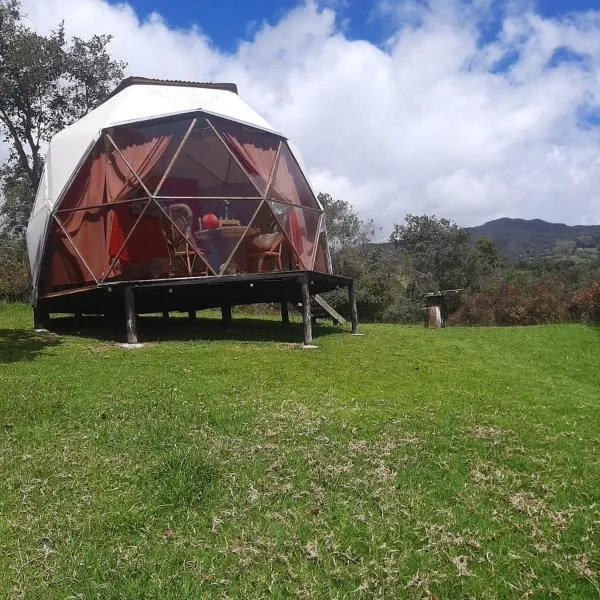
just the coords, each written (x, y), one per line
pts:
(424, 125)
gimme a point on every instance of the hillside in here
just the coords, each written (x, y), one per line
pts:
(522, 239)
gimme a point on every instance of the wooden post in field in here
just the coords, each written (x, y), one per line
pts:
(306, 312)
(40, 318)
(285, 314)
(226, 315)
(353, 310)
(130, 316)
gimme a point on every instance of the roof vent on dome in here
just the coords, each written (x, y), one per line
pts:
(129, 81)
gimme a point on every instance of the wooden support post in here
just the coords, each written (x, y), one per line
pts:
(226, 315)
(130, 317)
(192, 315)
(165, 314)
(306, 312)
(40, 318)
(285, 314)
(353, 310)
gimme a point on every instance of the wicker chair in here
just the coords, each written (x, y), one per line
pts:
(185, 258)
(267, 246)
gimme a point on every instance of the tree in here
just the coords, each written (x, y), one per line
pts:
(487, 265)
(353, 255)
(344, 227)
(437, 252)
(46, 83)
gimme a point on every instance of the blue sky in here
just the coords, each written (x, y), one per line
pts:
(444, 117)
(226, 22)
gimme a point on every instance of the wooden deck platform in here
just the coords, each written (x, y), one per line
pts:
(126, 299)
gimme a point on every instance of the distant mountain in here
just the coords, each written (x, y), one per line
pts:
(523, 239)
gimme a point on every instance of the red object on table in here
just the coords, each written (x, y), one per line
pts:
(210, 221)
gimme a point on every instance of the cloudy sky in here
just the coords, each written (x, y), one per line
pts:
(468, 110)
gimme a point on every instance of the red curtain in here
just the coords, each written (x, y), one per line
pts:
(255, 150)
(103, 179)
(289, 183)
(295, 231)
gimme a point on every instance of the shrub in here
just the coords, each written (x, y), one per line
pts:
(510, 308)
(15, 279)
(477, 309)
(546, 302)
(584, 304)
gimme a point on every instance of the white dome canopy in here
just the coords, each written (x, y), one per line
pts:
(136, 99)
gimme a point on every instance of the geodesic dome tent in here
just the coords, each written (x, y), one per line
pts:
(171, 180)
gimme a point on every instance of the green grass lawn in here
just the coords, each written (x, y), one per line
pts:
(403, 463)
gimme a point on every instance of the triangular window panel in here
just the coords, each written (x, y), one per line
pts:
(265, 247)
(201, 227)
(88, 187)
(322, 262)
(254, 149)
(149, 149)
(288, 183)
(237, 239)
(62, 268)
(88, 232)
(136, 248)
(205, 168)
(222, 238)
(300, 226)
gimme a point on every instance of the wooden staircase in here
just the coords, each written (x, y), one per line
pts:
(321, 309)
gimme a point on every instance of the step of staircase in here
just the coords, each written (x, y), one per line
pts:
(321, 309)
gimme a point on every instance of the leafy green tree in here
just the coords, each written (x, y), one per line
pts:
(46, 83)
(487, 265)
(347, 235)
(344, 227)
(354, 255)
(437, 252)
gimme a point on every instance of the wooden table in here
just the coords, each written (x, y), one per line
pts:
(219, 243)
